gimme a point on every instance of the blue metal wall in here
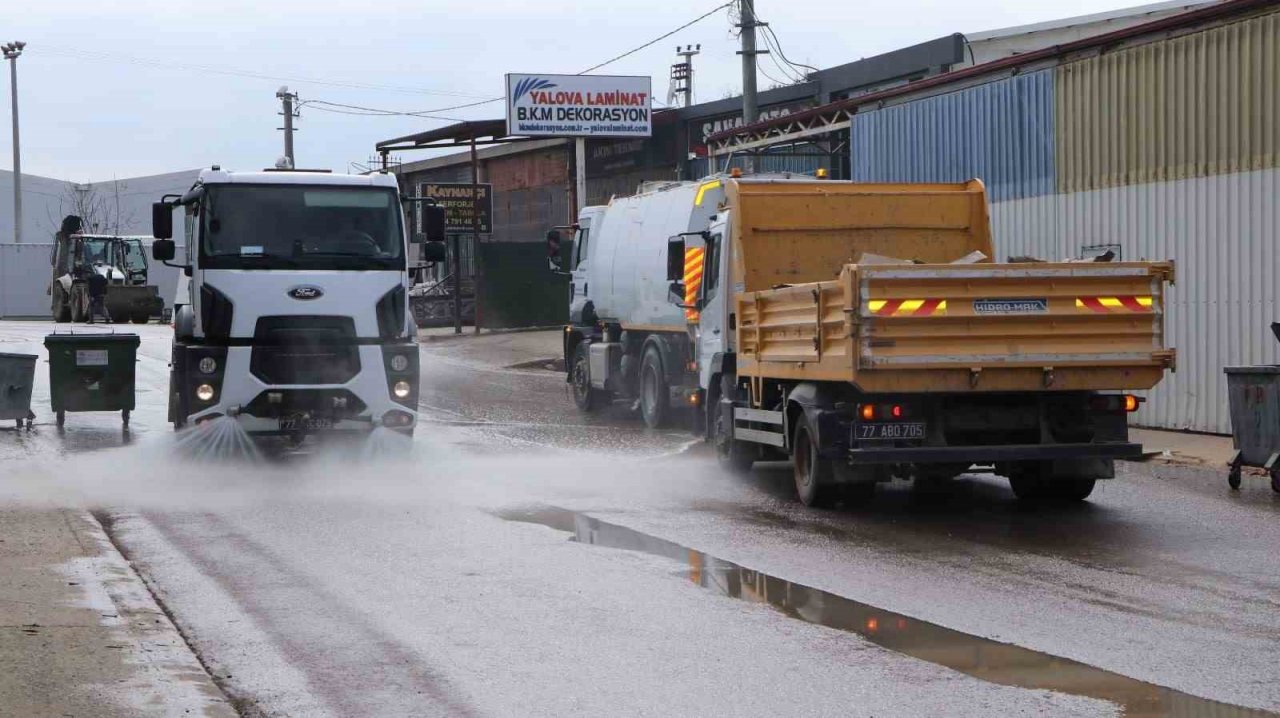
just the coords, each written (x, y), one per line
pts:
(1000, 132)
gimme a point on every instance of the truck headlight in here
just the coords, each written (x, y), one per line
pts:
(399, 362)
(204, 392)
(401, 389)
(208, 365)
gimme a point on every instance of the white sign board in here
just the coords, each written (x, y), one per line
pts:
(579, 106)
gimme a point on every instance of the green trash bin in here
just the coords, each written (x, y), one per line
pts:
(92, 372)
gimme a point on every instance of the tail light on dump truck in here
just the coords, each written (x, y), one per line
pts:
(882, 412)
(1116, 402)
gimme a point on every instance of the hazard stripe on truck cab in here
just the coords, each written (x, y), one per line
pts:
(693, 262)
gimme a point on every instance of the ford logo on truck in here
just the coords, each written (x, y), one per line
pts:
(306, 293)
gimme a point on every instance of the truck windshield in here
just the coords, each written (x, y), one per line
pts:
(300, 227)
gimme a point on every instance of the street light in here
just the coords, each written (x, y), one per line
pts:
(11, 53)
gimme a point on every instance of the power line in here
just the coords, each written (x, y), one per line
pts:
(778, 44)
(698, 19)
(236, 72)
(787, 71)
(428, 113)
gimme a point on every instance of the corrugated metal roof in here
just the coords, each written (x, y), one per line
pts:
(1000, 132)
(1200, 104)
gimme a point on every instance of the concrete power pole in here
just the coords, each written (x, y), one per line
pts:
(750, 110)
(682, 74)
(286, 106)
(11, 52)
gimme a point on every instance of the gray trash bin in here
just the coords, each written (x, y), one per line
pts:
(17, 374)
(1253, 394)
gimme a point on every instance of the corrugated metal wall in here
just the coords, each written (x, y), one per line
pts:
(1166, 150)
(1001, 131)
(25, 274)
(1202, 104)
(1223, 233)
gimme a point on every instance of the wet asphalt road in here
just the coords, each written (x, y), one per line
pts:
(446, 584)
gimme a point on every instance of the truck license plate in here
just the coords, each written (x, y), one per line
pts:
(912, 430)
(309, 423)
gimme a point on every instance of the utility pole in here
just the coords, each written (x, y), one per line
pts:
(682, 73)
(750, 110)
(286, 105)
(11, 53)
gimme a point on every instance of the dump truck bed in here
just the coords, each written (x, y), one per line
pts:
(933, 326)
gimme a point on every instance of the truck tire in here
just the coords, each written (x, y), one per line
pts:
(78, 314)
(815, 482)
(1033, 488)
(586, 398)
(61, 310)
(732, 454)
(141, 318)
(655, 395)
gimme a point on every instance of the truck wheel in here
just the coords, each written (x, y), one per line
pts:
(1072, 489)
(584, 396)
(1028, 488)
(736, 456)
(61, 311)
(654, 394)
(141, 318)
(814, 480)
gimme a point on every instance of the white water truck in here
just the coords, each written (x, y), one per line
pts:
(296, 320)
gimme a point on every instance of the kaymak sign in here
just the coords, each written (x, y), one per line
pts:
(579, 106)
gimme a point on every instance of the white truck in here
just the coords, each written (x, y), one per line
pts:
(296, 319)
(629, 339)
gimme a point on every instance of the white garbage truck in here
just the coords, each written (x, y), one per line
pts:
(628, 340)
(296, 320)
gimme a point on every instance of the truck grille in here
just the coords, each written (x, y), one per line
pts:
(305, 350)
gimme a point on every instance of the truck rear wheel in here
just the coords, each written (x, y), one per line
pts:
(814, 474)
(1033, 488)
(78, 314)
(61, 309)
(586, 398)
(655, 395)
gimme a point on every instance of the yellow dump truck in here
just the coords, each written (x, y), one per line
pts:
(866, 331)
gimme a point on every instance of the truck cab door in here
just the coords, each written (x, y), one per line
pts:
(579, 279)
(713, 318)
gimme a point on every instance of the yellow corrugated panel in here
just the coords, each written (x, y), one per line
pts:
(1201, 104)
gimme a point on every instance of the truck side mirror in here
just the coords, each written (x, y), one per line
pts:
(163, 250)
(433, 252)
(433, 222)
(555, 258)
(675, 293)
(675, 259)
(162, 221)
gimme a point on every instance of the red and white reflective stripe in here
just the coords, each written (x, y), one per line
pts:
(1108, 305)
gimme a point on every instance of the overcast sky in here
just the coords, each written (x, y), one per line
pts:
(125, 88)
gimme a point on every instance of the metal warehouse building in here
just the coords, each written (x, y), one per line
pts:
(1158, 141)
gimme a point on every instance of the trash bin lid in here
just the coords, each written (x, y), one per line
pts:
(7, 355)
(100, 338)
(1265, 369)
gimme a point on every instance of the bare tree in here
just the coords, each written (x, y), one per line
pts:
(101, 212)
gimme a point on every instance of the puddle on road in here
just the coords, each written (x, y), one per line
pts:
(982, 658)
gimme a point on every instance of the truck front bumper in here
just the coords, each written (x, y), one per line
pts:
(361, 404)
(979, 454)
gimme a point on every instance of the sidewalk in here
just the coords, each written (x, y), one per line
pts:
(80, 635)
(497, 349)
(1184, 448)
